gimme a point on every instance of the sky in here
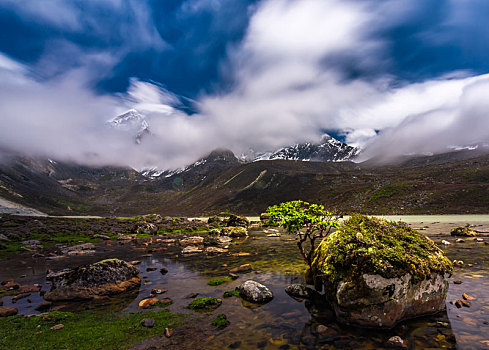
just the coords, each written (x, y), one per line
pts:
(393, 77)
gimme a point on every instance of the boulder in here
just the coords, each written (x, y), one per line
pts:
(237, 221)
(6, 311)
(254, 292)
(377, 273)
(232, 231)
(463, 231)
(145, 228)
(106, 277)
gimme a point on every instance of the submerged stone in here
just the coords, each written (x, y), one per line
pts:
(387, 273)
(106, 277)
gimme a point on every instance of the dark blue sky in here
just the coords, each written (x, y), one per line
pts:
(184, 44)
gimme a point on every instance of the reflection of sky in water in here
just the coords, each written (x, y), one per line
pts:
(283, 320)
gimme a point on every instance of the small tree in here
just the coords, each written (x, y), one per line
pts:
(308, 221)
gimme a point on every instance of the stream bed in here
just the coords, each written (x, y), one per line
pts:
(283, 323)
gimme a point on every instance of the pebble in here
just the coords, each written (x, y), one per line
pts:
(135, 262)
(445, 242)
(459, 303)
(457, 282)
(164, 270)
(147, 322)
(168, 332)
(158, 291)
(467, 297)
(149, 269)
(192, 295)
(396, 342)
(146, 303)
(460, 240)
(241, 269)
(57, 327)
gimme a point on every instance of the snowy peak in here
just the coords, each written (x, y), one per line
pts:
(328, 149)
(132, 122)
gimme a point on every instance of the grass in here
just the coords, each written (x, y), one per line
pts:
(48, 240)
(389, 190)
(82, 331)
(219, 281)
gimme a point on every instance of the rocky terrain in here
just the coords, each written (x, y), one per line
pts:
(455, 182)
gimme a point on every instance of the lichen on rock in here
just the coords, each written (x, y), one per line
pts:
(377, 272)
(106, 277)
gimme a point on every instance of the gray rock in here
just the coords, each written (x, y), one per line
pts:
(104, 237)
(300, 291)
(191, 250)
(106, 277)
(215, 250)
(145, 228)
(148, 322)
(32, 242)
(3, 237)
(195, 240)
(254, 292)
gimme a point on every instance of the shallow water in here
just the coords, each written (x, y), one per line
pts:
(282, 323)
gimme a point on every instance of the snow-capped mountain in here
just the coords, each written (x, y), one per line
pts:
(132, 122)
(328, 150)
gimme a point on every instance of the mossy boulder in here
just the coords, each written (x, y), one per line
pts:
(377, 272)
(106, 277)
(145, 228)
(463, 231)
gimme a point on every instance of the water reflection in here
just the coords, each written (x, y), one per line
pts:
(284, 322)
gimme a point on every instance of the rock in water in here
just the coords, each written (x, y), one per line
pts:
(232, 231)
(301, 292)
(254, 292)
(385, 275)
(106, 277)
(463, 231)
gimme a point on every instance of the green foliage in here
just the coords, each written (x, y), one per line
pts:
(296, 215)
(219, 281)
(375, 246)
(231, 293)
(220, 321)
(82, 331)
(308, 221)
(204, 303)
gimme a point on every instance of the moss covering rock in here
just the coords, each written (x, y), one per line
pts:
(204, 304)
(463, 231)
(377, 272)
(232, 231)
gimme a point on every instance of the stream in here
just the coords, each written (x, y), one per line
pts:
(283, 323)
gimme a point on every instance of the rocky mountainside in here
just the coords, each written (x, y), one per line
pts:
(457, 182)
(328, 149)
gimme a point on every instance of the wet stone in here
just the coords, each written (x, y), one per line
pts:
(396, 342)
(6, 311)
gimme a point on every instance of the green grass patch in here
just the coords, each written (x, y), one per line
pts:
(219, 281)
(82, 331)
(204, 303)
(231, 293)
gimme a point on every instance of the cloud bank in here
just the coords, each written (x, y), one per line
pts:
(300, 68)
